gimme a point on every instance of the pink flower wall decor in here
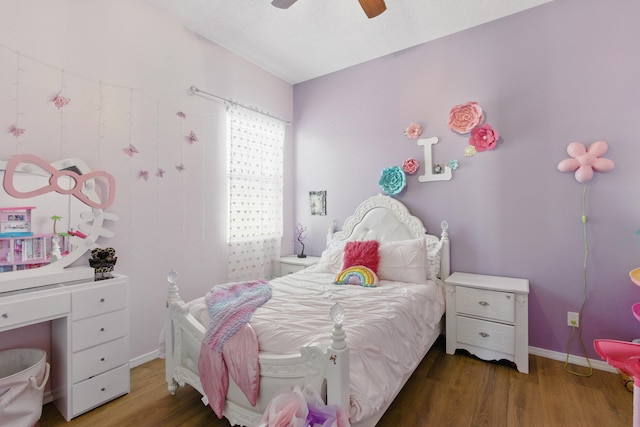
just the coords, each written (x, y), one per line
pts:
(191, 138)
(160, 173)
(180, 167)
(144, 175)
(413, 131)
(584, 161)
(16, 131)
(483, 138)
(464, 117)
(60, 101)
(410, 166)
(181, 115)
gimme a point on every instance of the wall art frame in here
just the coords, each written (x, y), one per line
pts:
(318, 202)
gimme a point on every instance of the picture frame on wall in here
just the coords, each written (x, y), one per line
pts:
(318, 202)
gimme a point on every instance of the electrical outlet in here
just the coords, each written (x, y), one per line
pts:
(573, 319)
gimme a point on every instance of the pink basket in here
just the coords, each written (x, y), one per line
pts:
(23, 374)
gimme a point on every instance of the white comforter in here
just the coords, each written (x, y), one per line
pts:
(388, 328)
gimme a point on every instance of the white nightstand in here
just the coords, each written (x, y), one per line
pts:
(291, 263)
(489, 317)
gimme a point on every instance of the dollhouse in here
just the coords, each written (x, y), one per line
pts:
(20, 248)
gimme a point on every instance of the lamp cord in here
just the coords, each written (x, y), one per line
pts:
(584, 299)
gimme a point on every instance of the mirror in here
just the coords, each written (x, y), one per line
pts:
(50, 215)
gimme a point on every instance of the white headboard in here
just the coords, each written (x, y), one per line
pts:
(385, 219)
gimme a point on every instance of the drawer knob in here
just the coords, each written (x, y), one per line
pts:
(483, 303)
(102, 359)
(5, 315)
(103, 389)
(483, 334)
(101, 329)
(101, 299)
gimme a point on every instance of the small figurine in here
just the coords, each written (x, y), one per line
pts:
(102, 261)
(55, 249)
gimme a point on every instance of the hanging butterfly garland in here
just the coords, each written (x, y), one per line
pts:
(130, 150)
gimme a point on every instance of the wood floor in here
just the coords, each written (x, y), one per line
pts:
(445, 390)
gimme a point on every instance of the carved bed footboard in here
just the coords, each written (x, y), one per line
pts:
(325, 368)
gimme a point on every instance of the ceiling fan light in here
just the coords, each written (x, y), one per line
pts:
(372, 8)
(283, 4)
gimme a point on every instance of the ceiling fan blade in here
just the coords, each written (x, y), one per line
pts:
(283, 4)
(372, 8)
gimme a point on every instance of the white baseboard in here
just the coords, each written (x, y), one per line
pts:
(137, 361)
(575, 360)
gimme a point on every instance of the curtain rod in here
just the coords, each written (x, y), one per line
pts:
(195, 91)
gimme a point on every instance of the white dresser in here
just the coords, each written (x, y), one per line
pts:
(89, 338)
(488, 316)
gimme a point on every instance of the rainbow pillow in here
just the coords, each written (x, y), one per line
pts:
(357, 275)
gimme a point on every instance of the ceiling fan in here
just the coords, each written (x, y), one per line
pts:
(372, 8)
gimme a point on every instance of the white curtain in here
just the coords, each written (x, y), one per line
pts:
(255, 144)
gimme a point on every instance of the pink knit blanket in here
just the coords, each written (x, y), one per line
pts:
(231, 306)
(230, 346)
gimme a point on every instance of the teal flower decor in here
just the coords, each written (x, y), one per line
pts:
(393, 180)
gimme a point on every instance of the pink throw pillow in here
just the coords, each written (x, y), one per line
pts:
(361, 253)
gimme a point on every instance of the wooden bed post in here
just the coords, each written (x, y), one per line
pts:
(337, 374)
(172, 297)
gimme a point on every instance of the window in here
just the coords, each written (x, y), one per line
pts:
(255, 151)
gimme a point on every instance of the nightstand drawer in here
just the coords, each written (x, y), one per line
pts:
(498, 306)
(102, 358)
(489, 335)
(291, 263)
(290, 268)
(100, 329)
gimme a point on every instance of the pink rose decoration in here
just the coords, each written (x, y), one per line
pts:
(586, 160)
(484, 138)
(410, 166)
(464, 117)
(413, 131)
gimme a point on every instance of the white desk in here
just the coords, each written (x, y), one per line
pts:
(89, 338)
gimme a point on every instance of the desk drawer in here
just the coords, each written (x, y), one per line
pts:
(33, 310)
(99, 329)
(99, 299)
(489, 335)
(102, 358)
(494, 305)
(97, 390)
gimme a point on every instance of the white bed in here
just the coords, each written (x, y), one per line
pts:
(389, 328)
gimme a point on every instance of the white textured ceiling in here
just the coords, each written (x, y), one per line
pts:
(316, 37)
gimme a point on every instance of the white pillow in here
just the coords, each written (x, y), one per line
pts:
(403, 261)
(330, 260)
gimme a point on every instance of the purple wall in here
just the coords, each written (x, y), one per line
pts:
(562, 72)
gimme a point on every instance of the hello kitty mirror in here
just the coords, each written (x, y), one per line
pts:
(51, 214)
